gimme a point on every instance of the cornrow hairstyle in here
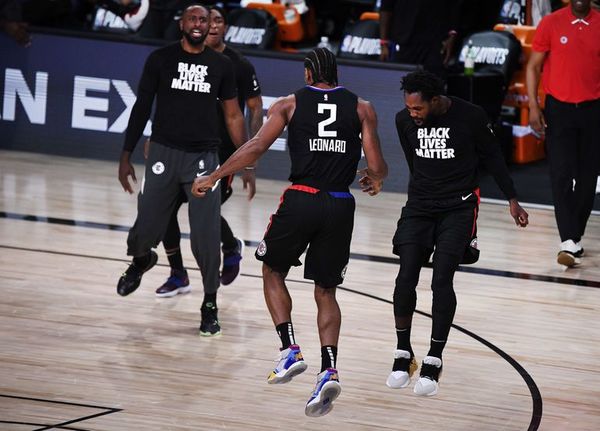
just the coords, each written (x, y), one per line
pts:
(424, 82)
(322, 65)
(221, 12)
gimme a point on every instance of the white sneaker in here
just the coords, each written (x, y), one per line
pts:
(401, 378)
(428, 385)
(569, 254)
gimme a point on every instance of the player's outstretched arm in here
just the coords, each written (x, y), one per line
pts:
(247, 155)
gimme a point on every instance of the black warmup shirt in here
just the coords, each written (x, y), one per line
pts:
(444, 154)
(247, 87)
(323, 138)
(187, 88)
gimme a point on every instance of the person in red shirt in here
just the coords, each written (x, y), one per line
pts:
(566, 47)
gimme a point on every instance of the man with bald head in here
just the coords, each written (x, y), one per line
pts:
(186, 81)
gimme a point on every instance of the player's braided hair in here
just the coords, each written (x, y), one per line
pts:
(424, 82)
(322, 65)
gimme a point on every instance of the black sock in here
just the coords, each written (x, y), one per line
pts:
(142, 262)
(403, 337)
(175, 259)
(210, 300)
(328, 357)
(285, 331)
(436, 347)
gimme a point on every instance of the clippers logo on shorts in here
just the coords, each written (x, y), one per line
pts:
(191, 78)
(261, 250)
(343, 274)
(432, 143)
(158, 168)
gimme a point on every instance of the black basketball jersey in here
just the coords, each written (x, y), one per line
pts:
(324, 138)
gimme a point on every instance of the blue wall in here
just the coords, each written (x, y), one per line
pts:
(72, 96)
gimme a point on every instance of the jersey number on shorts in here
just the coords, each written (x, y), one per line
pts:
(332, 109)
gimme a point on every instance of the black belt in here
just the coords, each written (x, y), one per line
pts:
(576, 105)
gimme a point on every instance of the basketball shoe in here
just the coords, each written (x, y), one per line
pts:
(231, 263)
(177, 283)
(428, 382)
(402, 370)
(209, 320)
(328, 388)
(132, 277)
(290, 364)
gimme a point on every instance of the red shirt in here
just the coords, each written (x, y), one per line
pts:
(571, 70)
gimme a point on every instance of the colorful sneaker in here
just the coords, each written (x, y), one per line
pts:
(328, 388)
(209, 322)
(231, 263)
(431, 369)
(132, 277)
(177, 283)
(403, 369)
(291, 363)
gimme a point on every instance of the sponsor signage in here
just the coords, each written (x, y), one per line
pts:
(73, 96)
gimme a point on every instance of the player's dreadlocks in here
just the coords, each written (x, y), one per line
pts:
(424, 82)
(322, 65)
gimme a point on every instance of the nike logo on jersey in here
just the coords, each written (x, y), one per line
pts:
(464, 198)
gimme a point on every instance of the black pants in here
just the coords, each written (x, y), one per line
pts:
(168, 172)
(172, 236)
(446, 225)
(573, 150)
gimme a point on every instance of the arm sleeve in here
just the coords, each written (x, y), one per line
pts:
(143, 103)
(228, 88)
(408, 151)
(488, 150)
(249, 85)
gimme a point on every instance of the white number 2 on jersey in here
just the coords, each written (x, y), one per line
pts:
(321, 109)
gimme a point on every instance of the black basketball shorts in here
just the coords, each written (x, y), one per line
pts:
(323, 222)
(448, 225)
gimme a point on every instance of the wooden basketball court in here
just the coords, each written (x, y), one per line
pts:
(523, 354)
